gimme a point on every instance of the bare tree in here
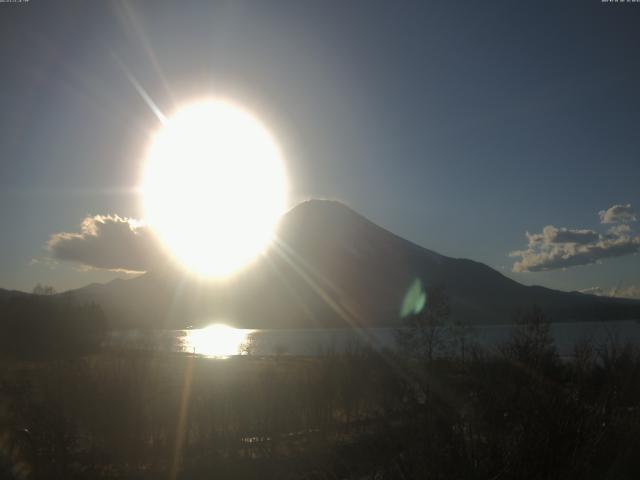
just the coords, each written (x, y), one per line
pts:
(531, 341)
(424, 333)
(461, 337)
(40, 289)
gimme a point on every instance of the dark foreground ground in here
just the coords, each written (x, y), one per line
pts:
(516, 412)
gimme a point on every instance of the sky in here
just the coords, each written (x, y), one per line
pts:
(505, 132)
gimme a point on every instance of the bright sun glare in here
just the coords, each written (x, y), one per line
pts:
(220, 341)
(214, 187)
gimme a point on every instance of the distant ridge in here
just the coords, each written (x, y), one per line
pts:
(331, 267)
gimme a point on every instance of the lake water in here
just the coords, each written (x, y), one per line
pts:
(220, 341)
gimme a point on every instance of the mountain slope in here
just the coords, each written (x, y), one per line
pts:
(332, 267)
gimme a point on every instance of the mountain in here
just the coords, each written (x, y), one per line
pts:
(331, 267)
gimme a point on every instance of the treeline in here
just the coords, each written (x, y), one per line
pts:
(517, 411)
(44, 326)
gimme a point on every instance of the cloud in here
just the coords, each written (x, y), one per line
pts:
(617, 231)
(559, 248)
(108, 242)
(565, 255)
(597, 291)
(631, 291)
(551, 234)
(618, 214)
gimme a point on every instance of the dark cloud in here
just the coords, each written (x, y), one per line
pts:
(557, 248)
(619, 214)
(108, 242)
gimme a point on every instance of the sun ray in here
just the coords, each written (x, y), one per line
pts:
(183, 411)
(141, 91)
(127, 11)
(298, 264)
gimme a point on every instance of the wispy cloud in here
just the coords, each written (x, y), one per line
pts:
(108, 242)
(631, 291)
(559, 248)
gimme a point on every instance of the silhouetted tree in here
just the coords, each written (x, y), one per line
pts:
(424, 333)
(531, 343)
(40, 289)
(461, 338)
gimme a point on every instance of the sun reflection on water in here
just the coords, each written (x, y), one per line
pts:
(217, 341)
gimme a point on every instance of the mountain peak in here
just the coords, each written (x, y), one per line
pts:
(317, 205)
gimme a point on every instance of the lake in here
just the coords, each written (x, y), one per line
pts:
(221, 341)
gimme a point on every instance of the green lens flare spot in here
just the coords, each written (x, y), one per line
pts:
(414, 300)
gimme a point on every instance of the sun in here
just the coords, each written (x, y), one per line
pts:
(214, 187)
